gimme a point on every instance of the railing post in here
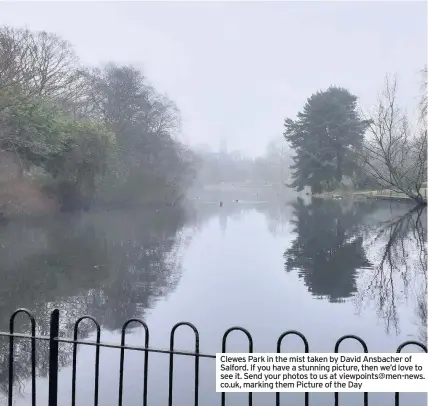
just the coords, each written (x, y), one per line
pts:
(53, 359)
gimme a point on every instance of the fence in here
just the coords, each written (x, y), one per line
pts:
(53, 339)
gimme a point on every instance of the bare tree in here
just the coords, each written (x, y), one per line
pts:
(394, 154)
(15, 66)
(424, 98)
(38, 64)
(14, 56)
(279, 154)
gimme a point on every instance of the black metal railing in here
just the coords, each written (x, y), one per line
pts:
(54, 339)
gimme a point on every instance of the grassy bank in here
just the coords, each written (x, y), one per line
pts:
(384, 194)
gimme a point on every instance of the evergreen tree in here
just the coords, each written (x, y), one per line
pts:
(324, 137)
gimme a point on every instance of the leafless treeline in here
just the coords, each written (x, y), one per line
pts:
(394, 153)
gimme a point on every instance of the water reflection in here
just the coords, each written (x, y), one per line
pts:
(112, 267)
(117, 266)
(373, 252)
(401, 266)
(327, 252)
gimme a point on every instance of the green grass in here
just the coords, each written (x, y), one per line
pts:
(387, 193)
(384, 193)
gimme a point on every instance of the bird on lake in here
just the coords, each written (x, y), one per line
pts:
(221, 204)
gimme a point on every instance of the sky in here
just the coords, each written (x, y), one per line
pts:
(237, 70)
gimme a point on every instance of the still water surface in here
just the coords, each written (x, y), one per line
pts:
(323, 268)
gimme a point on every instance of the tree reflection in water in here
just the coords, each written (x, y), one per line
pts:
(362, 251)
(327, 252)
(115, 266)
(400, 244)
(111, 265)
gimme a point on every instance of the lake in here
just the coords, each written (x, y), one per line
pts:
(324, 268)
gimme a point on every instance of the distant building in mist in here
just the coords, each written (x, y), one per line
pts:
(223, 146)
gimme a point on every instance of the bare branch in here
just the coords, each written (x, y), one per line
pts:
(393, 154)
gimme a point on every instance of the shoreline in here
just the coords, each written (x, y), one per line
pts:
(366, 195)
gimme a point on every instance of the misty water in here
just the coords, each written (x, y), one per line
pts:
(269, 267)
